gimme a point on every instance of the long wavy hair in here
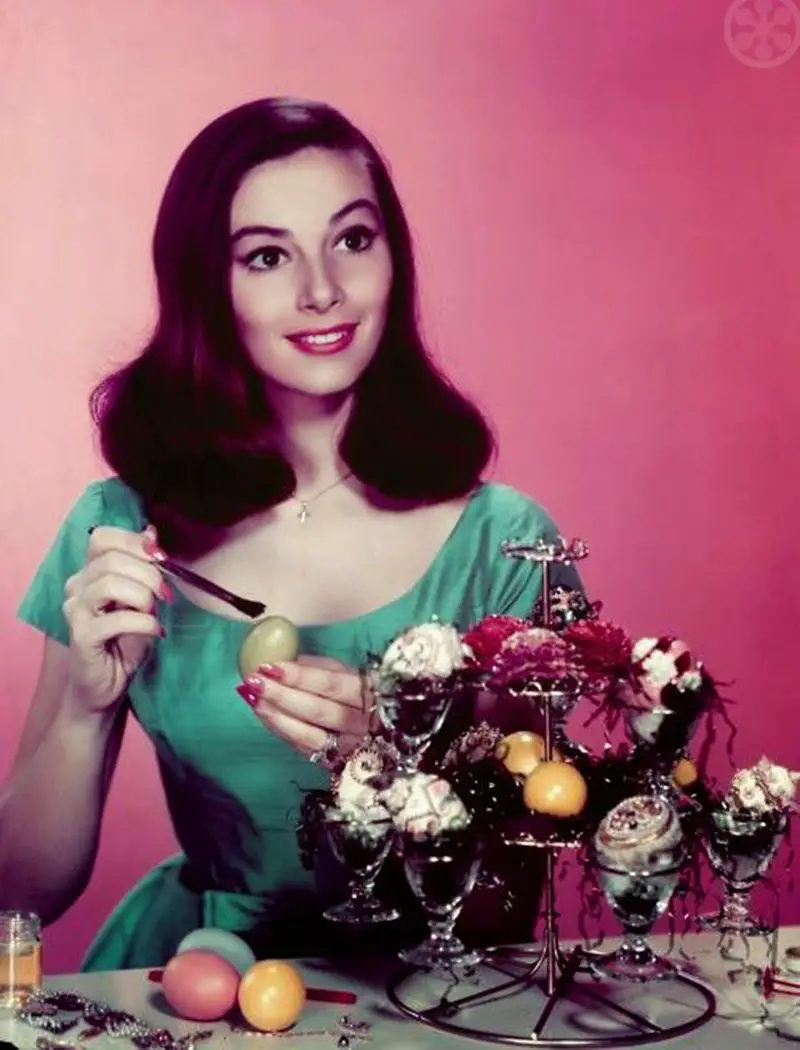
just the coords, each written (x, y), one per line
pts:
(188, 423)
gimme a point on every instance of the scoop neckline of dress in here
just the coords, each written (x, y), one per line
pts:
(181, 598)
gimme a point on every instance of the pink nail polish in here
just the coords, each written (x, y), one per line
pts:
(247, 695)
(165, 592)
(254, 684)
(271, 671)
(152, 550)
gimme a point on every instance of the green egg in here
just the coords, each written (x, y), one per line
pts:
(272, 639)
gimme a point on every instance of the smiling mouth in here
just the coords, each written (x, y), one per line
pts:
(324, 341)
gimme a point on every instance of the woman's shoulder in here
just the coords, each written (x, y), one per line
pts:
(108, 501)
(505, 509)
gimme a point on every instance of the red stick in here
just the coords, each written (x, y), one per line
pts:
(331, 995)
(314, 995)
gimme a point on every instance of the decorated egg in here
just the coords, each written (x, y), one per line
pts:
(555, 789)
(208, 938)
(640, 833)
(200, 985)
(521, 752)
(272, 639)
(685, 773)
(272, 995)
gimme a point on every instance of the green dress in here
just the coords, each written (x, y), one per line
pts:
(234, 790)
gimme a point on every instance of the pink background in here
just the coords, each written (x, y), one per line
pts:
(606, 209)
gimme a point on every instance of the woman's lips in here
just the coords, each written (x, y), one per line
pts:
(324, 340)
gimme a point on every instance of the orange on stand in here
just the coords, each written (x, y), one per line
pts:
(521, 752)
(555, 789)
(685, 773)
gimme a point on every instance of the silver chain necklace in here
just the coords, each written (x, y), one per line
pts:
(304, 513)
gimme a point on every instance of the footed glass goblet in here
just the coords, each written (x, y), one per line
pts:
(441, 871)
(637, 898)
(741, 845)
(361, 846)
(413, 713)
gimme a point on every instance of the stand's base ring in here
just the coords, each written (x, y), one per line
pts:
(442, 1019)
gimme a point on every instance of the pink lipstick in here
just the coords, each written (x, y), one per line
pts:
(324, 340)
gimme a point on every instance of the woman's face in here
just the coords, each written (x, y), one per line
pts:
(310, 270)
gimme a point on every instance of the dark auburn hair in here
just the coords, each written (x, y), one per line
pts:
(188, 424)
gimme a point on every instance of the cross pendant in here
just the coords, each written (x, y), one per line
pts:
(302, 514)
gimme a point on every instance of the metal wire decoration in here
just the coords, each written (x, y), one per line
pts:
(545, 969)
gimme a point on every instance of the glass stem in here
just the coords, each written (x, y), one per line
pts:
(363, 887)
(735, 908)
(442, 929)
(635, 947)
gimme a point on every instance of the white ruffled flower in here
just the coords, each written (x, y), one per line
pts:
(779, 781)
(689, 681)
(642, 648)
(659, 667)
(764, 787)
(425, 805)
(431, 650)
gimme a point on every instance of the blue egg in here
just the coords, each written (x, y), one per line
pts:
(223, 943)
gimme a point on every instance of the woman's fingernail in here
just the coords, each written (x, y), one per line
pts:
(254, 684)
(271, 671)
(165, 592)
(247, 694)
(152, 550)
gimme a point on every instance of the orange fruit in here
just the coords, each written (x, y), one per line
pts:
(521, 752)
(685, 773)
(555, 789)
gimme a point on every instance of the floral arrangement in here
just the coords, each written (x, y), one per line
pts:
(504, 783)
(655, 686)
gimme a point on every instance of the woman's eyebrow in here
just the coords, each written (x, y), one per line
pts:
(261, 230)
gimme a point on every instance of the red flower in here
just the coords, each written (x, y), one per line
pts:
(486, 637)
(536, 653)
(604, 648)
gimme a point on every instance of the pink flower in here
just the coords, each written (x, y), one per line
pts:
(486, 638)
(536, 653)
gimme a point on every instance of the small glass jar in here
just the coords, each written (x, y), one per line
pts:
(20, 956)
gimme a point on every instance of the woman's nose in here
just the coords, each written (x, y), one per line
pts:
(320, 291)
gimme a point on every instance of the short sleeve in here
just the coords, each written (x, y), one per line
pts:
(108, 502)
(517, 585)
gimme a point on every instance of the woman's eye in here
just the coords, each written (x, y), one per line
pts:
(264, 259)
(357, 239)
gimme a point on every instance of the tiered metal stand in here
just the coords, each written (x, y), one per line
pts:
(602, 1015)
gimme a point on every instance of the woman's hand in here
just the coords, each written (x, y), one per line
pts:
(110, 607)
(313, 703)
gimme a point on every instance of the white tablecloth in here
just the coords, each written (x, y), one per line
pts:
(131, 990)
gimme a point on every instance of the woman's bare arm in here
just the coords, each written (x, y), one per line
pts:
(52, 804)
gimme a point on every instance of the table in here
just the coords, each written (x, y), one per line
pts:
(132, 991)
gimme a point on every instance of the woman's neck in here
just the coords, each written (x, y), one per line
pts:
(312, 428)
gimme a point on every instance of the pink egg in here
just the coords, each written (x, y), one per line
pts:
(200, 985)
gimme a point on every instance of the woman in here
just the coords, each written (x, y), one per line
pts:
(284, 433)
